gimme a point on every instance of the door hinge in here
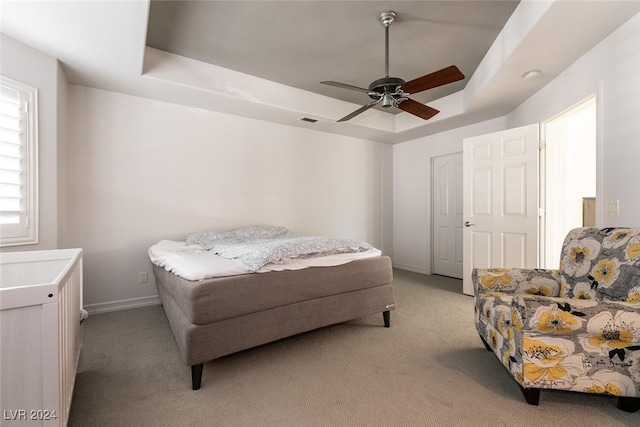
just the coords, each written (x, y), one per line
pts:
(541, 144)
(540, 212)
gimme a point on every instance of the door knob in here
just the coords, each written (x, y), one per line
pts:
(468, 224)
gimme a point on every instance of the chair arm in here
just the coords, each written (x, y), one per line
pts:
(533, 281)
(571, 316)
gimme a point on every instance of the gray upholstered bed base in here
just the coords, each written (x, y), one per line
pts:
(216, 317)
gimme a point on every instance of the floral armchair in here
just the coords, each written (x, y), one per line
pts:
(576, 328)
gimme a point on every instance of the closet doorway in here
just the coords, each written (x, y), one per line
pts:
(447, 215)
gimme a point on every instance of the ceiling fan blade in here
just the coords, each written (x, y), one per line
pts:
(417, 109)
(438, 78)
(345, 86)
(358, 111)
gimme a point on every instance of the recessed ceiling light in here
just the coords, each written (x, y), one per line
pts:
(532, 75)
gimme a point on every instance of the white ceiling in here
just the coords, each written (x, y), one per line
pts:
(223, 56)
(300, 44)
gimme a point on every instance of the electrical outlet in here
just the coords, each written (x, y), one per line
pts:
(143, 278)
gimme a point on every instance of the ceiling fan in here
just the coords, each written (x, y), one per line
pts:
(393, 91)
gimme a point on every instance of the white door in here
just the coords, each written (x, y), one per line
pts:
(500, 181)
(447, 215)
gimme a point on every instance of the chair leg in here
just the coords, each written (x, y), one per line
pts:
(531, 395)
(486, 344)
(628, 404)
(196, 375)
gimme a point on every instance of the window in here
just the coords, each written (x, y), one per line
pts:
(18, 164)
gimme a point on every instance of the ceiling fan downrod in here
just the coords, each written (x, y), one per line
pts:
(386, 19)
(387, 89)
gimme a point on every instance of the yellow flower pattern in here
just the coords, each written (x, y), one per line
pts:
(609, 331)
(606, 271)
(618, 237)
(499, 279)
(576, 328)
(634, 295)
(578, 255)
(632, 252)
(609, 389)
(548, 361)
(612, 338)
(582, 290)
(554, 321)
(516, 320)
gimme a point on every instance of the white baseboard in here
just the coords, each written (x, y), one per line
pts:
(411, 268)
(125, 304)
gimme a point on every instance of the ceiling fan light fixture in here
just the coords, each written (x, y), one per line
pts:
(387, 100)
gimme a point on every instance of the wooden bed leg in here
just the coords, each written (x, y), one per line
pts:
(386, 315)
(196, 375)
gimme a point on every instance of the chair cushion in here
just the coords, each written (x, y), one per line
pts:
(601, 264)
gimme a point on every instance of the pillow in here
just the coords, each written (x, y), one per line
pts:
(209, 239)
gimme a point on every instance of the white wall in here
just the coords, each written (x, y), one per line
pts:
(138, 171)
(611, 69)
(27, 65)
(412, 192)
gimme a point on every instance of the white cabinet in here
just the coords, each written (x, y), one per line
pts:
(40, 335)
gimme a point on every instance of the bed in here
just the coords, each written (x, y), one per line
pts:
(221, 295)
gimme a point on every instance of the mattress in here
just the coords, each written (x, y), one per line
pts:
(220, 298)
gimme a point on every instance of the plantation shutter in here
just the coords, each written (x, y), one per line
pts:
(17, 164)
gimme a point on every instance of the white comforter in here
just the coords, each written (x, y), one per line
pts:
(259, 245)
(192, 262)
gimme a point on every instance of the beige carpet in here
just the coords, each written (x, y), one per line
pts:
(428, 369)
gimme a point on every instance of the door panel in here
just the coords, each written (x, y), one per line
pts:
(514, 199)
(481, 245)
(514, 249)
(447, 215)
(482, 196)
(500, 184)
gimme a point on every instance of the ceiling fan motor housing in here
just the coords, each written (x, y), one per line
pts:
(386, 84)
(387, 88)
